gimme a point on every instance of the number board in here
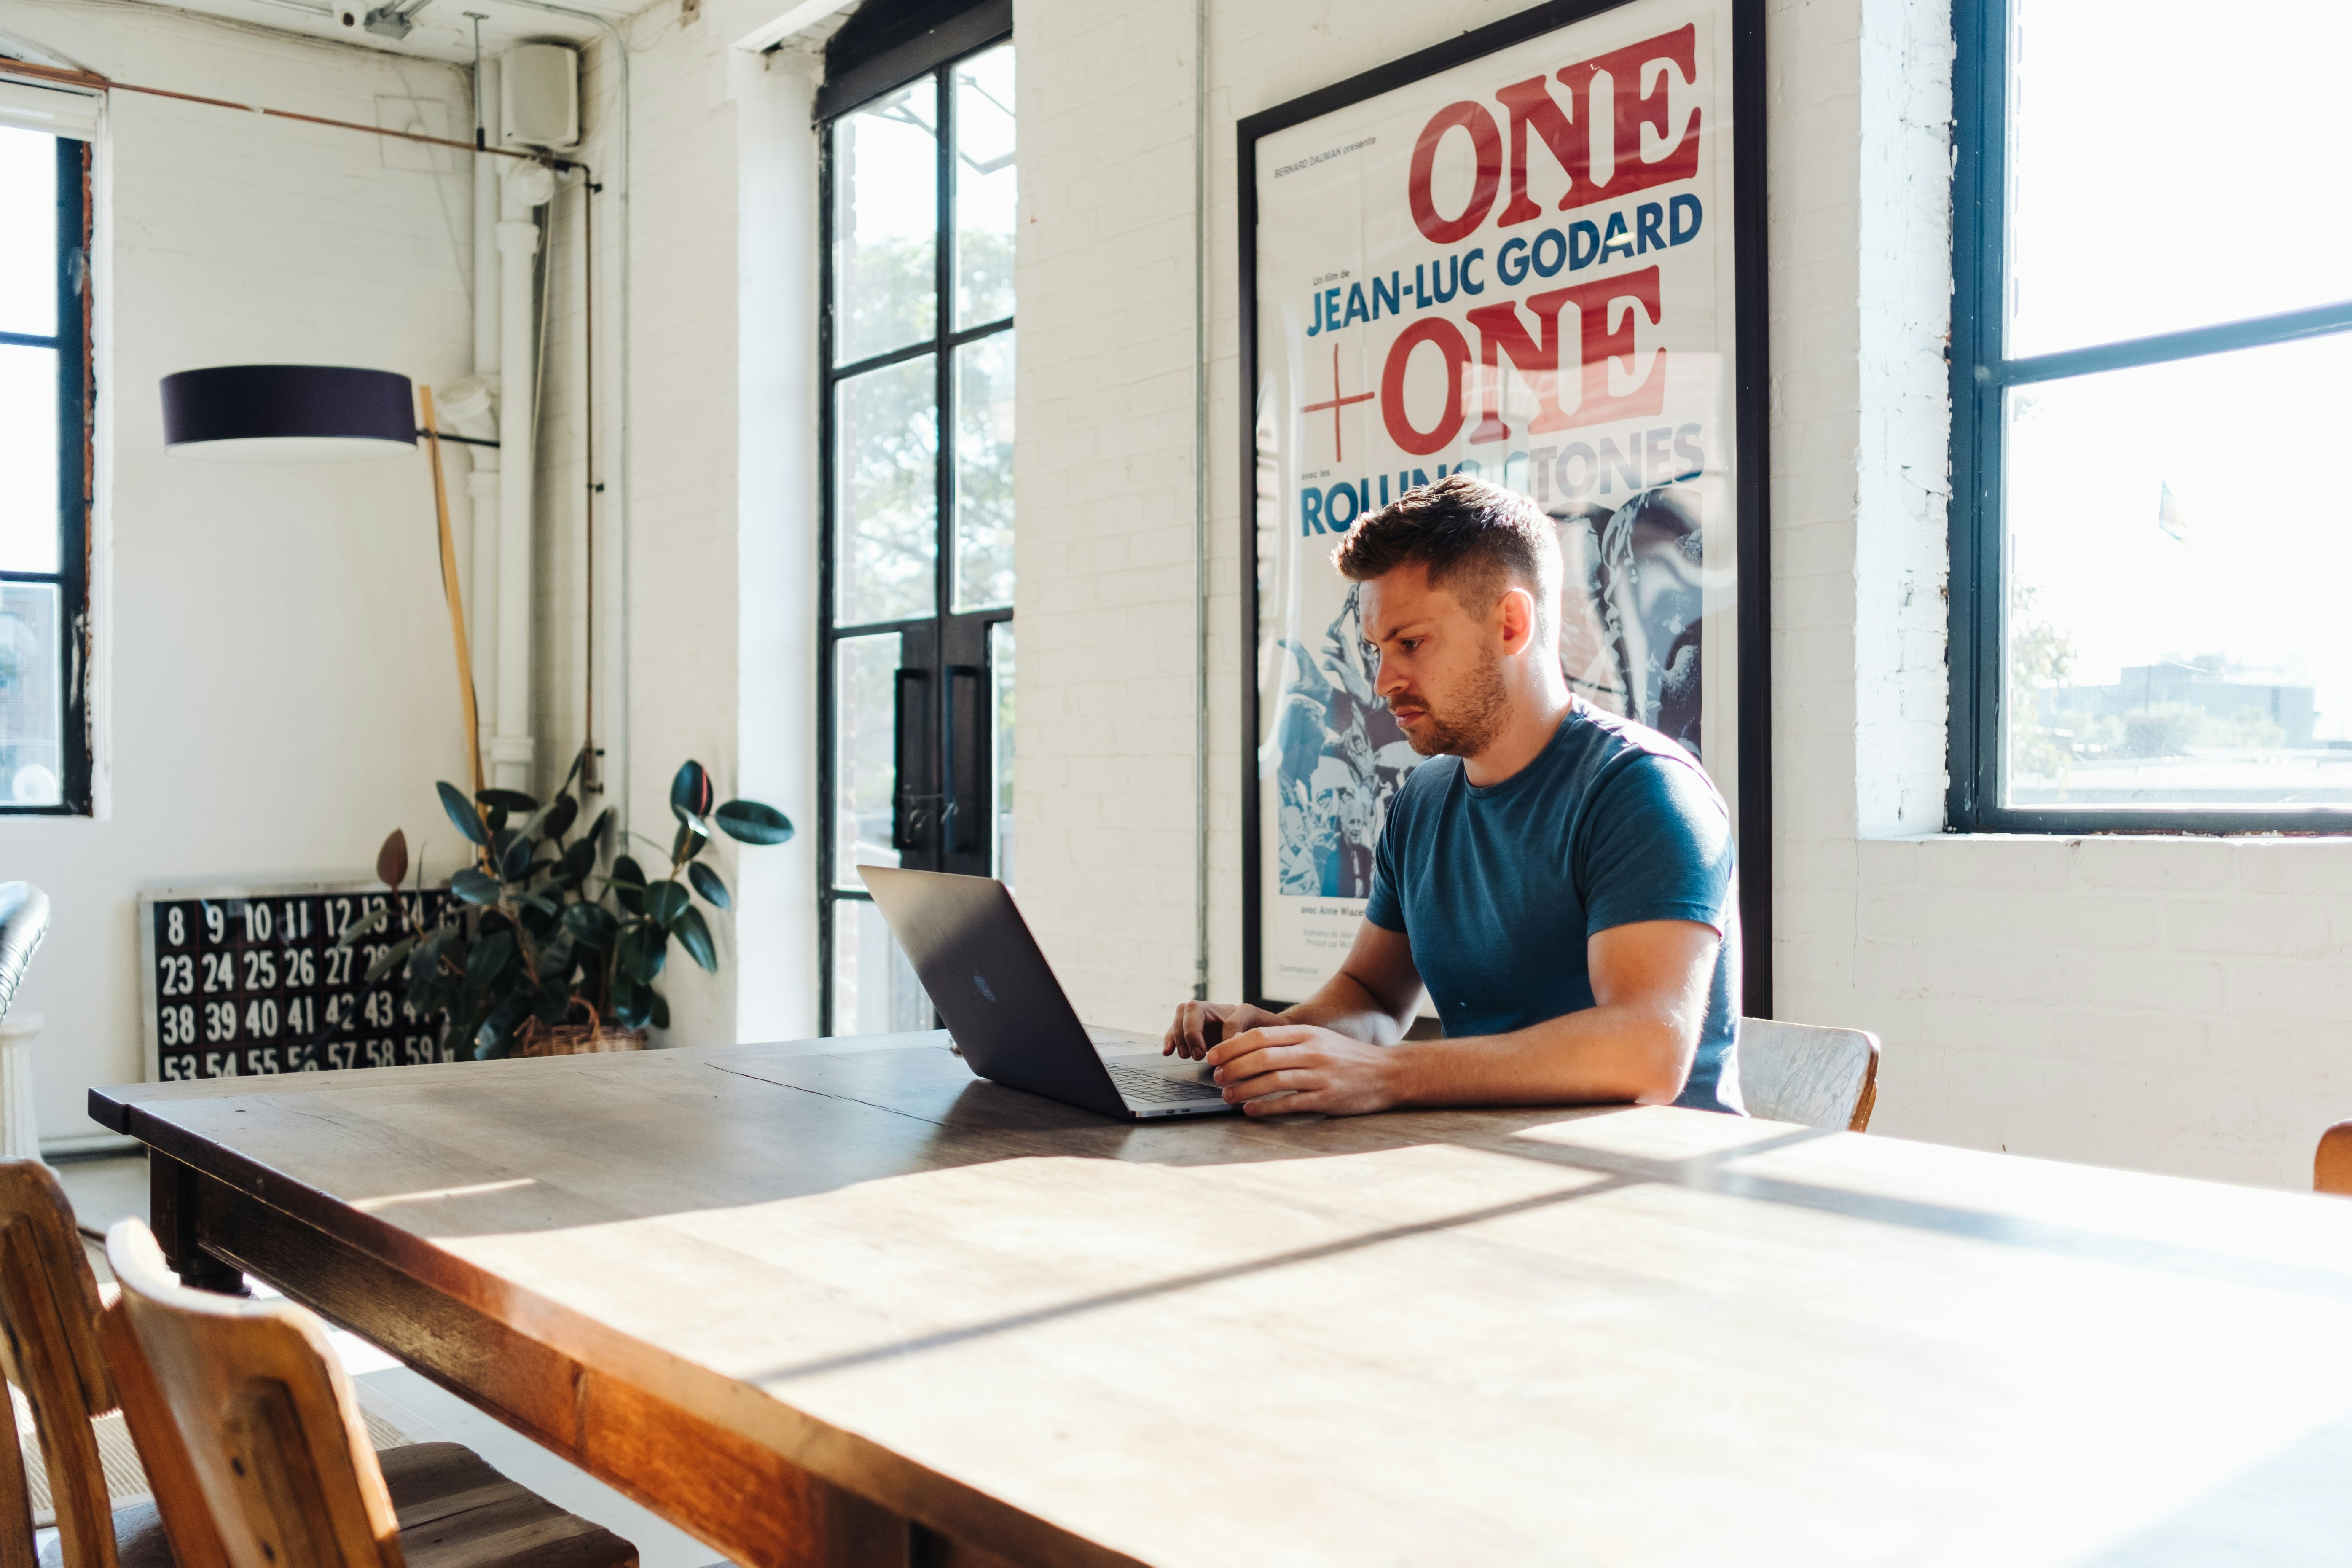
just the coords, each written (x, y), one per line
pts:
(243, 981)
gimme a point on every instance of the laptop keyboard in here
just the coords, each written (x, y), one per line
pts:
(1158, 1088)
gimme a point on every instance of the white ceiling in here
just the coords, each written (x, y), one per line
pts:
(440, 30)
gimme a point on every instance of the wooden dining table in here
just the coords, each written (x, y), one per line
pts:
(840, 1302)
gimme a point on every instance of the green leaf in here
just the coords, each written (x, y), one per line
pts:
(659, 1011)
(642, 950)
(593, 924)
(475, 887)
(632, 1004)
(577, 860)
(596, 833)
(559, 817)
(489, 958)
(390, 959)
(665, 900)
(694, 936)
(628, 883)
(706, 882)
(514, 856)
(366, 926)
(691, 837)
(507, 800)
(495, 1037)
(690, 792)
(391, 860)
(751, 822)
(463, 813)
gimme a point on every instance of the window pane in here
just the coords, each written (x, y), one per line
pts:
(864, 767)
(985, 195)
(32, 696)
(28, 458)
(2142, 201)
(875, 991)
(28, 232)
(983, 498)
(1000, 666)
(887, 522)
(2177, 634)
(885, 181)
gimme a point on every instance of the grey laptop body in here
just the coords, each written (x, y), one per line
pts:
(1009, 1017)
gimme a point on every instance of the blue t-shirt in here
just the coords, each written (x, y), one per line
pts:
(1498, 888)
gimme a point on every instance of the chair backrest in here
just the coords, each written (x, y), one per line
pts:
(1808, 1073)
(24, 922)
(2331, 1168)
(49, 1311)
(266, 1416)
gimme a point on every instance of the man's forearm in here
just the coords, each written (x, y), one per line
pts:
(1345, 1005)
(1604, 1055)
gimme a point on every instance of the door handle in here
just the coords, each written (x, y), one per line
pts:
(964, 809)
(907, 824)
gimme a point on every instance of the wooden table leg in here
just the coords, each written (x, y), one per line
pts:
(171, 1215)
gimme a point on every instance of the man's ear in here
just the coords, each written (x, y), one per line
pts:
(1517, 610)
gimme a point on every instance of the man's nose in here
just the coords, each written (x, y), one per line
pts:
(1385, 680)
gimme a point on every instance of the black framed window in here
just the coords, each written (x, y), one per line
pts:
(45, 474)
(916, 340)
(2151, 379)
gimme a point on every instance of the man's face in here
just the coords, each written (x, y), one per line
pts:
(1440, 668)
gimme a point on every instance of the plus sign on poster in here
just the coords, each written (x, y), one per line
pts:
(1516, 261)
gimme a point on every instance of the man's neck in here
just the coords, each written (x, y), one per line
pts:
(1533, 722)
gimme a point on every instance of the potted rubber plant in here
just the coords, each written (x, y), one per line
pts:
(538, 951)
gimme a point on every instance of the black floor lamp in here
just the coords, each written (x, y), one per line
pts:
(314, 412)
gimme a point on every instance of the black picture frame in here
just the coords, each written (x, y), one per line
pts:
(1750, 421)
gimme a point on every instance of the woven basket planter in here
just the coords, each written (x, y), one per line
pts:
(538, 1040)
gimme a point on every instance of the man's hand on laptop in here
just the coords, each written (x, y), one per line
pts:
(1190, 1035)
(1278, 1067)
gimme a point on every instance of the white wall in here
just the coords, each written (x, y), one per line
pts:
(279, 689)
(2180, 1005)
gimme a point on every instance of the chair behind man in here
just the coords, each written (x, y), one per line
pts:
(1807, 1074)
(275, 1438)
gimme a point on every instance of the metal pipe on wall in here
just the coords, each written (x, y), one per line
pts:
(1200, 498)
(526, 188)
(482, 484)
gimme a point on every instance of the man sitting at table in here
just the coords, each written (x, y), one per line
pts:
(1561, 879)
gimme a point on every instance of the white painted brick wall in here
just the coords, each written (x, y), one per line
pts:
(280, 691)
(2168, 1004)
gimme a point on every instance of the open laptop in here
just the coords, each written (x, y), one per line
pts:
(1008, 1013)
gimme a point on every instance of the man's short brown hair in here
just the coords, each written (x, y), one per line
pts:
(1476, 540)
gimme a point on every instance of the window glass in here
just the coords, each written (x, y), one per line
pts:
(875, 990)
(32, 696)
(28, 233)
(2176, 622)
(2175, 172)
(985, 192)
(885, 524)
(983, 477)
(863, 741)
(28, 458)
(886, 181)
(1000, 666)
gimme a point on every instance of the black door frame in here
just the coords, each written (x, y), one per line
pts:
(943, 791)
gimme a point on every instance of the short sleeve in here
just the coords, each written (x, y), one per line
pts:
(1656, 845)
(1385, 909)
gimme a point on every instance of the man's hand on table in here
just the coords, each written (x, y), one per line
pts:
(1278, 1067)
(1190, 1035)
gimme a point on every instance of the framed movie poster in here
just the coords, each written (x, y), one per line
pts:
(1534, 254)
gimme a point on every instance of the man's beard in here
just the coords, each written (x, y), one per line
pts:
(1471, 721)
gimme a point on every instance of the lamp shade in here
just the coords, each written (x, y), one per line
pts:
(287, 412)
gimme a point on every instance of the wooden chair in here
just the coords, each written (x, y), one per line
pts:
(279, 1451)
(2331, 1168)
(1808, 1073)
(55, 1353)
